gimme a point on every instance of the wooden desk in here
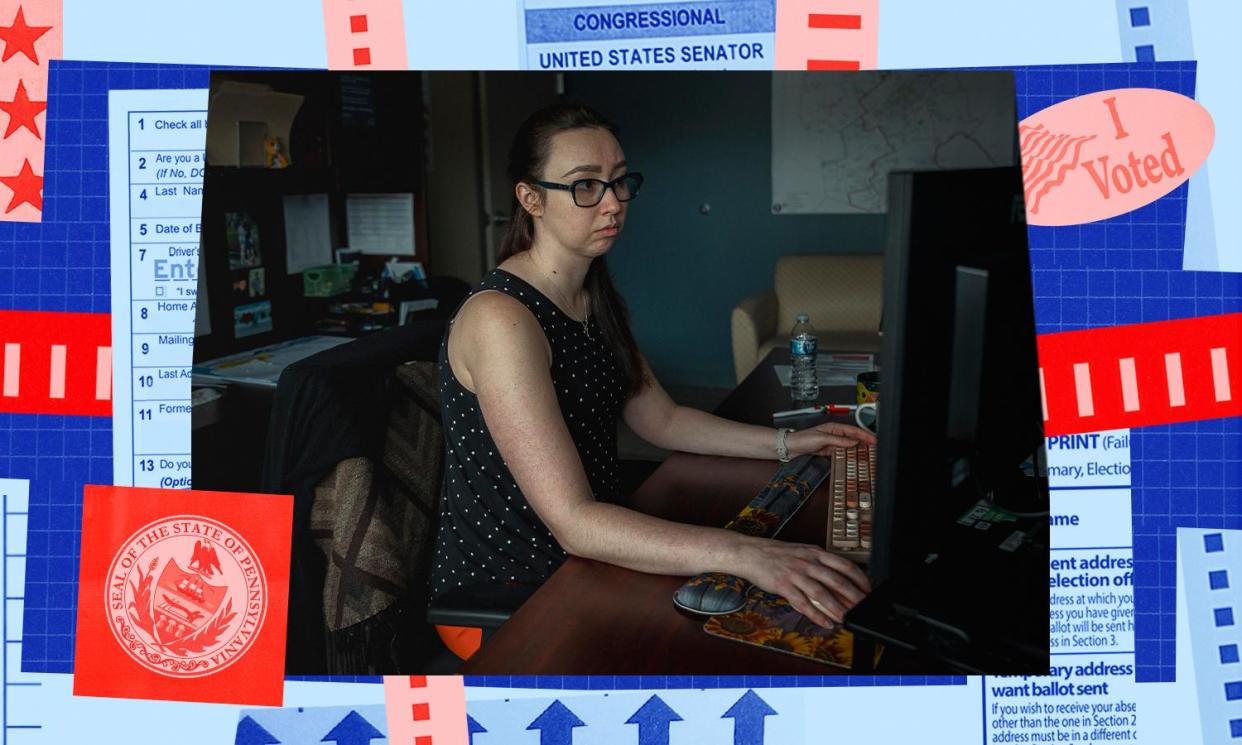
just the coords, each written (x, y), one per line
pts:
(592, 618)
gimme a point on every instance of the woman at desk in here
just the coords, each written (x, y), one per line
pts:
(538, 365)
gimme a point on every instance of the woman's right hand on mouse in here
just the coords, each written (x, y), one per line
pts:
(819, 585)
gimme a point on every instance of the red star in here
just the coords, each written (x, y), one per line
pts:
(27, 188)
(21, 38)
(22, 112)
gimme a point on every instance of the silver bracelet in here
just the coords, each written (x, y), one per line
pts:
(782, 448)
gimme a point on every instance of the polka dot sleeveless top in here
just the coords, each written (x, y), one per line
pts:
(488, 532)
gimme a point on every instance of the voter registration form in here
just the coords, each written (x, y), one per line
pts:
(156, 140)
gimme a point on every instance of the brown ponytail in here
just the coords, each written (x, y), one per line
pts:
(531, 146)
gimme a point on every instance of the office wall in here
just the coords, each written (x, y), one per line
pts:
(455, 220)
(375, 145)
(703, 138)
(473, 119)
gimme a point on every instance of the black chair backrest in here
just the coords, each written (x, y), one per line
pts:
(328, 407)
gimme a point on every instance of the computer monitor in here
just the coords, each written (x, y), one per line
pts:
(959, 582)
(960, 411)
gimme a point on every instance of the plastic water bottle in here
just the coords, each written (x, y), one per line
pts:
(803, 345)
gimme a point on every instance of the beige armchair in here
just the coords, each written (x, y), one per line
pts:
(843, 295)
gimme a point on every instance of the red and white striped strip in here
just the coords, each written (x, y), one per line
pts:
(426, 710)
(1142, 374)
(56, 363)
(364, 34)
(827, 34)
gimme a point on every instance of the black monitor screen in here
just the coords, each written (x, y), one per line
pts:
(961, 412)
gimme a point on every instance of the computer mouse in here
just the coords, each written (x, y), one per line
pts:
(717, 593)
(712, 594)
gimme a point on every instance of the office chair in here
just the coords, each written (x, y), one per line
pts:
(355, 436)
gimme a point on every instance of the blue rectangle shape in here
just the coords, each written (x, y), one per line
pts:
(1235, 727)
(1211, 503)
(63, 264)
(1074, 283)
(1218, 580)
(1145, 53)
(1140, 17)
(1228, 654)
(1210, 447)
(1224, 616)
(1064, 82)
(1039, 82)
(652, 681)
(1185, 501)
(1233, 690)
(1233, 502)
(1145, 574)
(715, 18)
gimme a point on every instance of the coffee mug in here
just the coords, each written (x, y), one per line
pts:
(867, 416)
(868, 387)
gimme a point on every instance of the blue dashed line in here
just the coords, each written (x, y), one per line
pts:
(1216, 595)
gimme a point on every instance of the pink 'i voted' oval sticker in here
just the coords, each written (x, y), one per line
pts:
(1105, 154)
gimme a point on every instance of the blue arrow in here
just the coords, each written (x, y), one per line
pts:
(354, 729)
(472, 726)
(556, 725)
(653, 719)
(747, 715)
(250, 732)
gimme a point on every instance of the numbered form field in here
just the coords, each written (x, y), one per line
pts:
(156, 160)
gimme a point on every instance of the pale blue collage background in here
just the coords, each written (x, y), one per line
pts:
(62, 260)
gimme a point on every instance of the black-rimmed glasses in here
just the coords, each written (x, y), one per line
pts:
(588, 192)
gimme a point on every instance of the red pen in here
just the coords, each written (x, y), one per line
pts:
(825, 408)
(839, 408)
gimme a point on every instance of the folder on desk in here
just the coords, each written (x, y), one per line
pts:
(264, 365)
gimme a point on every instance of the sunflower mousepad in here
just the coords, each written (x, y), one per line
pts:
(769, 621)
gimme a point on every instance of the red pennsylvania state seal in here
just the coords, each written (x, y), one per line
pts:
(186, 596)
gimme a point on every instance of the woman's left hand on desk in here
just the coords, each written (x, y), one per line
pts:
(822, 438)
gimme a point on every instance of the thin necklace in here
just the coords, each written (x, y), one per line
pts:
(585, 329)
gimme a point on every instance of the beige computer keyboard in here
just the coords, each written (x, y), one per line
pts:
(853, 500)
